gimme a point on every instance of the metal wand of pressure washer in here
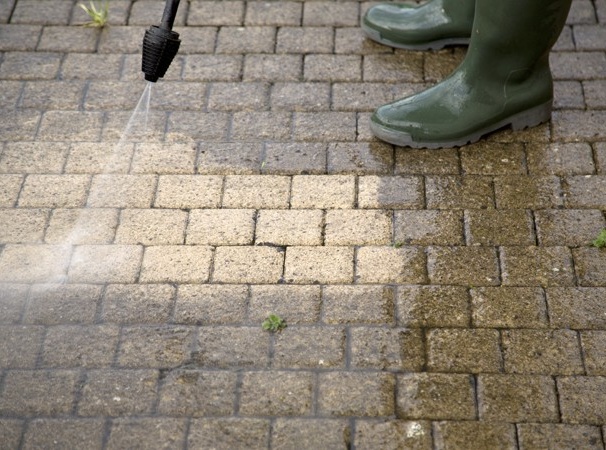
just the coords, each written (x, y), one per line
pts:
(160, 44)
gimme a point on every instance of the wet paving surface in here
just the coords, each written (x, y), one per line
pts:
(433, 298)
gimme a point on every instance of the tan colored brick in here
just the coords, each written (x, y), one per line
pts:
(151, 226)
(460, 350)
(256, 191)
(390, 192)
(319, 265)
(590, 266)
(456, 192)
(508, 307)
(356, 394)
(577, 308)
(289, 227)
(129, 432)
(555, 435)
(34, 393)
(358, 304)
(54, 191)
(82, 226)
(70, 125)
(248, 265)
(413, 161)
(154, 346)
(33, 263)
(358, 227)
(33, 157)
(276, 393)
(527, 192)
(569, 227)
(22, 226)
(387, 348)
(118, 392)
(99, 157)
(587, 191)
(105, 264)
(230, 432)
(176, 263)
(435, 396)
(517, 398)
(295, 304)
(560, 159)
(122, 191)
(198, 393)
(206, 304)
(475, 266)
(451, 435)
(80, 346)
(66, 433)
(390, 265)
(582, 399)
(294, 434)
(491, 158)
(12, 302)
(393, 434)
(229, 158)
(56, 304)
(232, 347)
(221, 227)
(299, 347)
(594, 351)
(21, 346)
(428, 227)
(496, 227)
(433, 306)
(536, 266)
(164, 158)
(10, 185)
(360, 158)
(188, 191)
(138, 303)
(554, 352)
(323, 192)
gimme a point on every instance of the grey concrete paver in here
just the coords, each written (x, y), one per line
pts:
(433, 299)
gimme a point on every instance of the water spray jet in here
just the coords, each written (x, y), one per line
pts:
(160, 44)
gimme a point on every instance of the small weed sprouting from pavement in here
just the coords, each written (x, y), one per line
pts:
(98, 15)
(274, 323)
(600, 241)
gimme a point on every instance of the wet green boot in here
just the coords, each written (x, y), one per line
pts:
(504, 80)
(433, 25)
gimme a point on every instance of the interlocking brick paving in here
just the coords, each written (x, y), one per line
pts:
(434, 299)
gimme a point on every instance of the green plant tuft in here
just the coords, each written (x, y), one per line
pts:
(274, 323)
(98, 15)
(600, 241)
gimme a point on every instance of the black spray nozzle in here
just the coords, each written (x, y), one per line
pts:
(160, 44)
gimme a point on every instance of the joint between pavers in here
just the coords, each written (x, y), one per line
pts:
(516, 435)
(238, 392)
(546, 305)
(78, 391)
(473, 379)
(107, 428)
(581, 351)
(501, 352)
(557, 397)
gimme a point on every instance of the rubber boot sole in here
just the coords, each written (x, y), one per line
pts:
(433, 45)
(525, 119)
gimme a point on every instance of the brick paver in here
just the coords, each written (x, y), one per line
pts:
(434, 299)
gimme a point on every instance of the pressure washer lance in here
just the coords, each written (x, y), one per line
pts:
(160, 44)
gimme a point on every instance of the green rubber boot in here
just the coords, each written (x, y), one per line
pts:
(504, 80)
(431, 26)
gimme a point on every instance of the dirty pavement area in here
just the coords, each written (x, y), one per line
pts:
(433, 298)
